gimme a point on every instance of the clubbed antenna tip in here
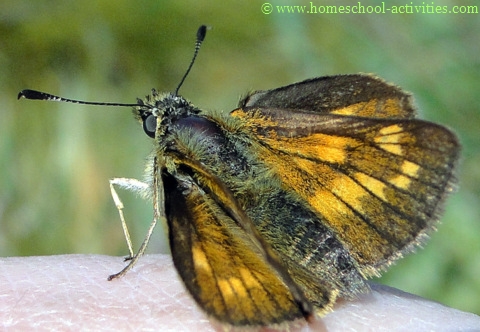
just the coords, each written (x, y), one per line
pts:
(201, 33)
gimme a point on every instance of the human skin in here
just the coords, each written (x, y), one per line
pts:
(71, 292)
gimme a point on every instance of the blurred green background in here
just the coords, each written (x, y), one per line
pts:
(56, 159)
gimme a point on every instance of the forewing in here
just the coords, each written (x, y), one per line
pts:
(219, 263)
(378, 183)
(358, 94)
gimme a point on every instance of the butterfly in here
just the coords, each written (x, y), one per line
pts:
(293, 199)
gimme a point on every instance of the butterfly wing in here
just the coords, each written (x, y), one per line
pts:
(222, 266)
(378, 183)
(354, 95)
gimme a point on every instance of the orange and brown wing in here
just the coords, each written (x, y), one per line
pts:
(222, 267)
(377, 183)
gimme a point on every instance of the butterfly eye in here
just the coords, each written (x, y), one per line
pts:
(150, 125)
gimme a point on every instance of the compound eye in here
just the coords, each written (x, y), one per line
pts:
(150, 125)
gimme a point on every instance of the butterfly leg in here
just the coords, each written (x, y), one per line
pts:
(158, 196)
(129, 184)
(132, 185)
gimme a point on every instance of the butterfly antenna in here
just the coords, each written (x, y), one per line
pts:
(38, 95)
(201, 32)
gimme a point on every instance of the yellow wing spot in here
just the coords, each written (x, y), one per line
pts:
(229, 289)
(238, 287)
(237, 298)
(390, 130)
(363, 108)
(389, 139)
(410, 169)
(349, 192)
(401, 181)
(395, 149)
(328, 148)
(377, 187)
(329, 154)
(201, 261)
(373, 108)
(232, 288)
(225, 288)
(334, 149)
(249, 280)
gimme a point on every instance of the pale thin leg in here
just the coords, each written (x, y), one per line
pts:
(158, 196)
(129, 184)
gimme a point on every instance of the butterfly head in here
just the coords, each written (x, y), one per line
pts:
(158, 112)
